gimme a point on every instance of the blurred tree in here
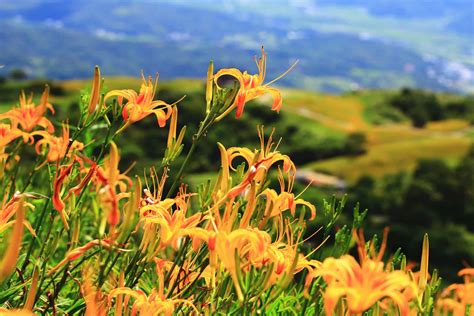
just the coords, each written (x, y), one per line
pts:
(419, 105)
(464, 194)
(355, 143)
(365, 191)
(430, 194)
(436, 199)
(18, 74)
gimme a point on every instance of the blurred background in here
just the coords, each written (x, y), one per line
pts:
(380, 106)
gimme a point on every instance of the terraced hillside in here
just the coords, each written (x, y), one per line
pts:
(391, 147)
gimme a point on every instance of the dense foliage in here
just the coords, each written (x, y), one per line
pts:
(421, 106)
(436, 199)
(79, 235)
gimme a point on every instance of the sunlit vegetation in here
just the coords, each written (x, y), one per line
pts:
(83, 231)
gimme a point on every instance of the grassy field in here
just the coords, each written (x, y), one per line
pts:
(340, 113)
(395, 156)
(391, 146)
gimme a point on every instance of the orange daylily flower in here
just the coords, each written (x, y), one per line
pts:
(164, 227)
(110, 179)
(457, 297)
(172, 225)
(261, 160)
(259, 163)
(152, 304)
(8, 134)
(9, 209)
(362, 284)
(28, 116)
(225, 246)
(140, 105)
(182, 275)
(282, 256)
(251, 86)
(256, 172)
(249, 178)
(62, 173)
(278, 203)
(56, 147)
(282, 253)
(156, 303)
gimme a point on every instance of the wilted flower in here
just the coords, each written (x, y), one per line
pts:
(62, 174)
(76, 253)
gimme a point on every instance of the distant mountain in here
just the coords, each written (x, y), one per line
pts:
(65, 39)
(407, 8)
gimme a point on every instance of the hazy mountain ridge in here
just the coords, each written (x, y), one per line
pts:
(179, 40)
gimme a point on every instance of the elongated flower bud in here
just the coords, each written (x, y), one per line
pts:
(173, 124)
(95, 91)
(10, 257)
(209, 86)
(113, 163)
(30, 299)
(424, 262)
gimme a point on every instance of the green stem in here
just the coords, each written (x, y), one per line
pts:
(181, 170)
(203, 127)
(38, 225)
(104, 272)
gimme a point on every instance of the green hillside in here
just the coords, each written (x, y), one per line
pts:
(391, 147)
(391, 144)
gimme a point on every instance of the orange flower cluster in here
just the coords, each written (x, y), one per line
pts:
(240, 237)
(363, 283)
(28, 116)
(458, 299)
